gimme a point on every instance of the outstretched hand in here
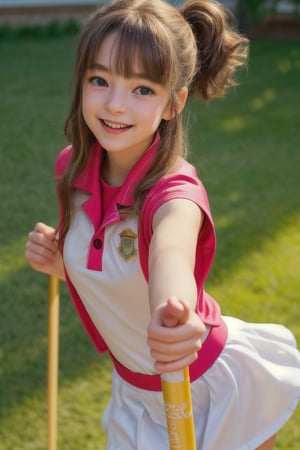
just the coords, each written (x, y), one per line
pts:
(174, 335)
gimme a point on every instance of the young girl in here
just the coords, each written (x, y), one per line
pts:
(136, 239)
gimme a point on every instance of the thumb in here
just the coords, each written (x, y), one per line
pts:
(45, 230)
(175, 313)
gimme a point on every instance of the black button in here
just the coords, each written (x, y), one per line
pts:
(98, 244)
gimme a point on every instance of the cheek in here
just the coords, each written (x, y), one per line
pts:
(90, 98)
(89, 104)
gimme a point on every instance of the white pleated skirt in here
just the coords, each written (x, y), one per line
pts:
(247, 395)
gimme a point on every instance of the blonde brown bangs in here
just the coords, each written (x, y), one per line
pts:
(138, 50)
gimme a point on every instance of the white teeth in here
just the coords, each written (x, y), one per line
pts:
(115, 125)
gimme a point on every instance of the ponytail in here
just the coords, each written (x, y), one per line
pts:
(220, 49)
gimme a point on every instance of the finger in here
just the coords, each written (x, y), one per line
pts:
(172, 335)
(40, 258)
(38, 239)
(35, 260)
(48, 232)
(169, 352)
(38, 248)
(176, 312)
(173, 366)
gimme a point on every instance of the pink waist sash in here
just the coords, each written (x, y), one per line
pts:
(210, 350)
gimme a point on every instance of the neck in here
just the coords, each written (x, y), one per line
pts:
(115, 169)
(116, 165)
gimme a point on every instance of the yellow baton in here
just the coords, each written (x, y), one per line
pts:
(179, 411)
(53, 336)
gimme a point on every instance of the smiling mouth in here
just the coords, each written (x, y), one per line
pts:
(114, 125)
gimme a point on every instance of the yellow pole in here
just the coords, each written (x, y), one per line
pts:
(53, 332)
(179, 411)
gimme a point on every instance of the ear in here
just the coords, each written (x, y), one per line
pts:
(182, 95)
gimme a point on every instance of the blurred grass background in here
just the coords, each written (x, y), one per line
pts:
(246, 148)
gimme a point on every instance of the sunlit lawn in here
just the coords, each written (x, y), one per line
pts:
(247, 150)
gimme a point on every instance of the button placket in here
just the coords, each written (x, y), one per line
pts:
(98, 243)
(96, 251)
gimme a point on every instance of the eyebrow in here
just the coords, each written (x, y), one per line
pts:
(99, 66)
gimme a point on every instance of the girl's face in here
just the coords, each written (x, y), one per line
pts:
(122, 113)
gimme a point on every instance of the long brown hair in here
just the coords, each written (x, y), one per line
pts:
(193, 47)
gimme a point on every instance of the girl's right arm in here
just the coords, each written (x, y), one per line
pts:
(42, 251)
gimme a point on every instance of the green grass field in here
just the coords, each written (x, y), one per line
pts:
(247, 150)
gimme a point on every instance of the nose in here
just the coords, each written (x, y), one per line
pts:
(116, 101)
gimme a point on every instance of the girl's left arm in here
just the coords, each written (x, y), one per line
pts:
(175, 330)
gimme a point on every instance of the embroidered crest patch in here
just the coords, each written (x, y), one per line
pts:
(126, 248)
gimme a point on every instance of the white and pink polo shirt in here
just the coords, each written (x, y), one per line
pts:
(106, 263)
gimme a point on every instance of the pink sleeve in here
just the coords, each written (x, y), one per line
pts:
(184, 184)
